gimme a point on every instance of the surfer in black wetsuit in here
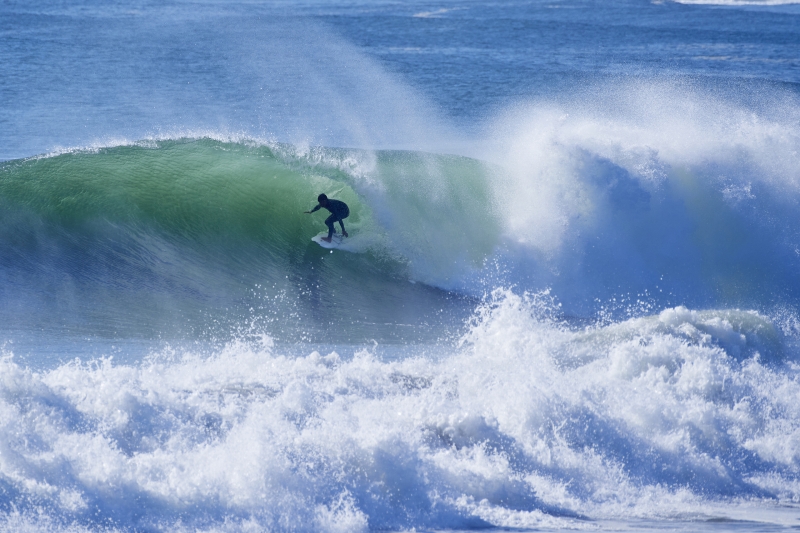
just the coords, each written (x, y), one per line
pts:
(339, 212)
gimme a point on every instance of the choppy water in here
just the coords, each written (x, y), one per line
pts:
(569, 299)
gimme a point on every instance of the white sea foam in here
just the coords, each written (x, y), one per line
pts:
(530, 424)
(436, 13)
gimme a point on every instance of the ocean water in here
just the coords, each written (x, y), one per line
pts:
(570, 298)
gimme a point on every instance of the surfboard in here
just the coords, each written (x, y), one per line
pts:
(335, 241)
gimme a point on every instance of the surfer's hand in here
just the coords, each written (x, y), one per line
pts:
(307, 212)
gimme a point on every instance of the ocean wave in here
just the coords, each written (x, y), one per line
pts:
(656, 193)
(159, 231)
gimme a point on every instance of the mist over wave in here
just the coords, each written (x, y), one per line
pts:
(272, 76)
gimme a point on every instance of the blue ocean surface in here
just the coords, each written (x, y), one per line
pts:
(570, 297)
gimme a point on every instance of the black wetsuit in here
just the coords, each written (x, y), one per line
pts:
(339, 212)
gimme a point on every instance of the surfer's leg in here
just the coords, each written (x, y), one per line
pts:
(329, 222)
(341, 221)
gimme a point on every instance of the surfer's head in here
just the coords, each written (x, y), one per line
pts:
(322, 199)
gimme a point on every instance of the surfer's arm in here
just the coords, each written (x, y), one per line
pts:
(315, 209)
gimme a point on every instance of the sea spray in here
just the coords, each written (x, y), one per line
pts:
(658, 187)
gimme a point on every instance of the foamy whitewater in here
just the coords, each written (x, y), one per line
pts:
(531, 424)
(570, 298)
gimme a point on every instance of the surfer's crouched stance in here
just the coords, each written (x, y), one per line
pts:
(339, 212)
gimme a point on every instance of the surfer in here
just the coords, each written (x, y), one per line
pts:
(339, 212)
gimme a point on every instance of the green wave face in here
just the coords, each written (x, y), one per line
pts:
(166, 232)
(196, 190)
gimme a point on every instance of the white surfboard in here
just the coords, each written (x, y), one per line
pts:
(336, 241)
